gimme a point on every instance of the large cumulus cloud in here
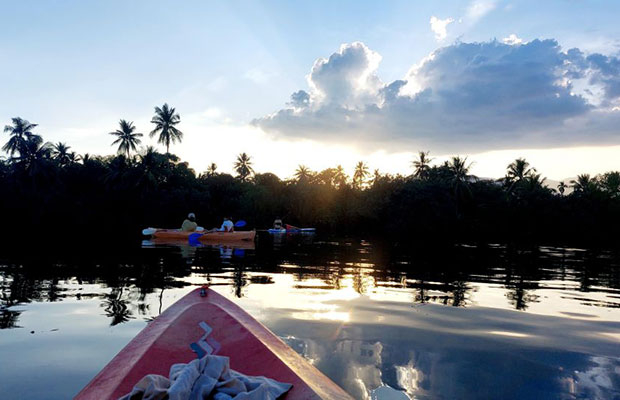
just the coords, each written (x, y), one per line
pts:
(467, 96)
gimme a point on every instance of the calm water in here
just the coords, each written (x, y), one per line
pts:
(464, 322)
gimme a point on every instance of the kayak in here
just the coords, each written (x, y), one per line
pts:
(220, 237)
(292, 230)
(210, 324)
(241, 244)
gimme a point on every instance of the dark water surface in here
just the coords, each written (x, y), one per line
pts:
(491, 322)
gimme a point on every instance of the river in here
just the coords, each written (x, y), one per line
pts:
(383, 322)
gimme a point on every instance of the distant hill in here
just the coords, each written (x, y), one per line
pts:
(553, 184)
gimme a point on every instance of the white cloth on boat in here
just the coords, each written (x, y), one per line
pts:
(209, 377)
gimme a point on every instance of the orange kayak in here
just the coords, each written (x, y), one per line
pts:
(219, 237)
(213, 324)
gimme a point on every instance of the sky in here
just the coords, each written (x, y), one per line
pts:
(324, 83)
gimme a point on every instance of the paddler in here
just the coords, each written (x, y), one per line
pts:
(227, 226)
(277, 224)
(189, 225)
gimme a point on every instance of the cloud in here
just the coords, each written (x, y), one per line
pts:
(438, 26)
(257, 76)
(513, 39)
(463, 97)
(348, 78)
(478, 9)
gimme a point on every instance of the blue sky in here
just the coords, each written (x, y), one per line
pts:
(76, 67)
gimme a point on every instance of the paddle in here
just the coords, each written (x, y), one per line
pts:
(195, 236)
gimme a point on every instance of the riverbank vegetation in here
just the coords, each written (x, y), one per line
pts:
(50, 191)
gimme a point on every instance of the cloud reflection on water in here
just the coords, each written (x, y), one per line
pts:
(476, 323)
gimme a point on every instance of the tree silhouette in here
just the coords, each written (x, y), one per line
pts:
(584, 184)
(459, 170)
(517, 171)
(340, 177)
(20, 131)
(127, 140)
(165, 120)
(303, 174)
(34, 156)
(376, 177)
(421, 166)
(60, 153)
(243, 167)
(610, 183)
(562, 188)
(212, 170)
(360, 174)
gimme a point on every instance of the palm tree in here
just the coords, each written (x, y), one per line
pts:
(127, 139)
(211, 171)
(303, 173)
(535, 181)
(60, 153)
(73, 157)
(562, 188)
(360, 174)
(34, 155)
(518, 170)
(20, 131)
(376, 177)
(459, 170)
(340, 177)
(583, 184)
(421, 166)
(243, 166)
(165, 120)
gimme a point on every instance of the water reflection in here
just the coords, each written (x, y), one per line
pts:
(465, 322)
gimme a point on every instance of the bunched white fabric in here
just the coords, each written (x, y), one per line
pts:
(209, 377)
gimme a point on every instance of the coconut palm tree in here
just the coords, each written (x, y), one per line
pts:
(165, 120)
(360, 174)
(459, 171)
(60, 153)
(421, 166)
(535, 181)
(583, 184)
(376, 177)
(517, 171)
(243, 166)
(20, 131)
(340, 177)
(127, 139)
(303, 174)
(562, 188)
(73, 157)
(34, 155)
(212, 170)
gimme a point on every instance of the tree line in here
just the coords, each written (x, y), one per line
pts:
(49, 189)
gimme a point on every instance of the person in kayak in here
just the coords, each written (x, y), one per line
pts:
(277, 224)
(189, 225)
(227, 226)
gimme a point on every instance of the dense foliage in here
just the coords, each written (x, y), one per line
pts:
(48, 191)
